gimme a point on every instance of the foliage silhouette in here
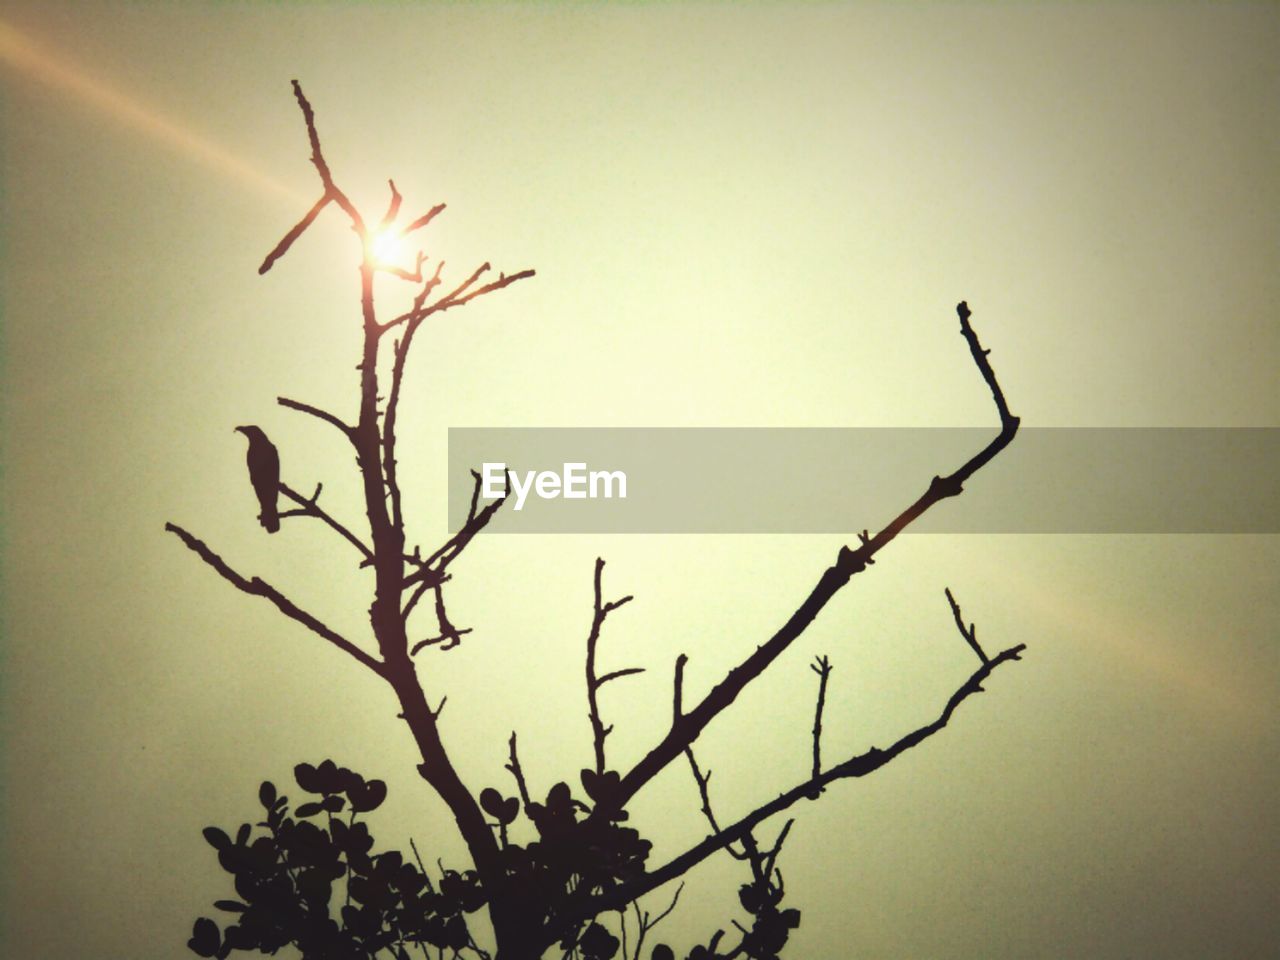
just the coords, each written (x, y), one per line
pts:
(310, 878)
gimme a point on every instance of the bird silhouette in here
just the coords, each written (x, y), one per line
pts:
(264, 474)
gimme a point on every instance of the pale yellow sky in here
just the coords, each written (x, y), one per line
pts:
(755, 215)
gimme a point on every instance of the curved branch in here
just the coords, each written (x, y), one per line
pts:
(687, 726)
(345, 428)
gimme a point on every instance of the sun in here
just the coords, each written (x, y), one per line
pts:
(387, 247)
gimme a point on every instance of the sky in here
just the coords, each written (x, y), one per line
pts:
(740, 216)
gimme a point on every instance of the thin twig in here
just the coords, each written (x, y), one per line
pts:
(514, 766)
(310, 507)
(971, 634)
(822, 667)
(600, 611)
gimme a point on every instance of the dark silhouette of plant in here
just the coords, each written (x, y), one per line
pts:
(575, 885)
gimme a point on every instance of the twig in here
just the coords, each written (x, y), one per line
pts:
(971, 634)
(449, 635)
(347, 430)
(822, 667)
(259, 588)
(294, 233)
(677, 694)
(704, 792)
(514, 767)
(645, 924)
(449, 551)
(600, 611)
(393, 208)
(310, 507)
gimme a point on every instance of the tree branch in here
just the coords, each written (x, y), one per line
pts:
(346, 429)
(322, 167)
(688, 726)
(971, 634)
(822, 667)
(310, 507)
(514, 766)
(600, 610)
(259, 588)
(294, 233)
(857, 766)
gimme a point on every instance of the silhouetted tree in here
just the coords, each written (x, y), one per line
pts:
(309, 876)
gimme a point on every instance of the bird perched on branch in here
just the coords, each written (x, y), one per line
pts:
(264, 474)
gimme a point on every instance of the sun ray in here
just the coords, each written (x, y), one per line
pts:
(20, 52)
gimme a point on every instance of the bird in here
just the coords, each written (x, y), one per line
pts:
(264, 474)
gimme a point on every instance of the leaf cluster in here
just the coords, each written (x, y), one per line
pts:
(286, 877)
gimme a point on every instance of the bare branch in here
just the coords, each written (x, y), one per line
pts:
(424, 584)
(450, 550)
(677, 698)
(423, 220)
(616, 674)
(514, 766)
(322, 167)
(393, 208)
(688, 726)
(260, 588)
(645, 924)
(822, 667)
(310, 507)
(600, 611)
(503, 281)
(294, 233)
(857, 766)
(704, 792)
(346, 429)
(412, 277)
(450, 635)
(971, 634)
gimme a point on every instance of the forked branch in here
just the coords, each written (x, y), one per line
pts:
(600, 611)
(857, 766)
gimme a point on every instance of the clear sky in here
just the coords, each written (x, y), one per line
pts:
(756, 215)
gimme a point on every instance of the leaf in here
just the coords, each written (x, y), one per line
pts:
(333, 803)
(308, 809)
(305, 774)
(242, 835)
(509, 810)
(205, 938)
(330, 778)
(662, 952)
(217, 839)
(598, 943)
(367, 796)
(231, 906)
(267, 794)
(600, 785)
(503, 809)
